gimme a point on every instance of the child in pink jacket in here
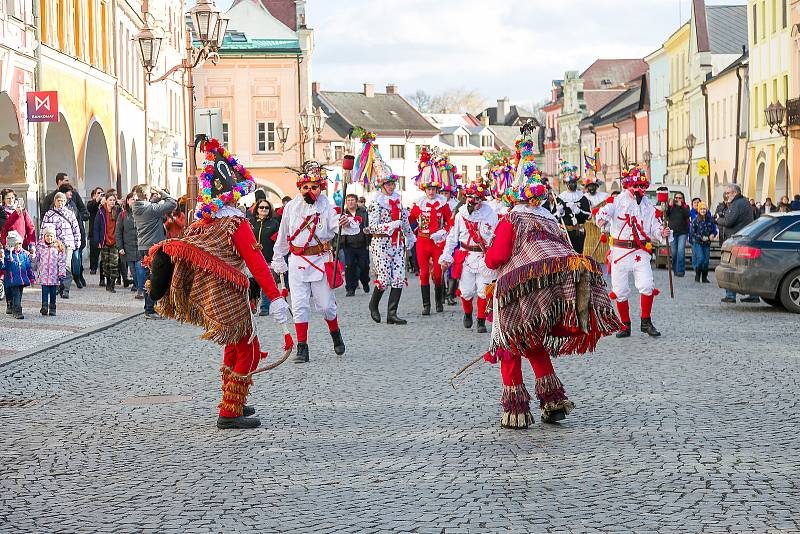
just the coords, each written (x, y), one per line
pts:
(52, 268)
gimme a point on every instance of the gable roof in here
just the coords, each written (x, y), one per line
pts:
(283, 10)
(620, 108)
(384, 113)
(614, 72)
(515, 115)
(727, 29)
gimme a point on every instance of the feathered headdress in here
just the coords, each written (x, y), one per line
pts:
(223, 181)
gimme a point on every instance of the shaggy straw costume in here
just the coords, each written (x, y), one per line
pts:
(207, 287)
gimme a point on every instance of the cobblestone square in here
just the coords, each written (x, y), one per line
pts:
(693, 432)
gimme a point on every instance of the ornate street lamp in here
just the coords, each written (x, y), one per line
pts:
(691, 141)
(320, 118)
(283, 134)
(311, 125)
(775, 114)
(209, 27)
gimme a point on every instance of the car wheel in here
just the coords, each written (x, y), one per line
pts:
(773, 302)
(790, 291)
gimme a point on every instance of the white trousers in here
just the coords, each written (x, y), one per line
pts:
(472, 283)
(638, 263)
(303, 292)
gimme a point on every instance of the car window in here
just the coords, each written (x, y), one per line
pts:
(755, 228)
(790, 234)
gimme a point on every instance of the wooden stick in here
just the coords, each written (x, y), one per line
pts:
(464, 368)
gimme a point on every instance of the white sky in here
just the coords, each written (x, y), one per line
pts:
(499, 47)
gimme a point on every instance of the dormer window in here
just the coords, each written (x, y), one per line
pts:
(462, 140)
(487, 141)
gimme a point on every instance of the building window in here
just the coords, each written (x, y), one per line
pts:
(478, 171)
(225, 137)
(784, 14)
(464, 173)
(401, 182)
(487, 141)
(397, 152)
(265, 136)
(338, 153)
(765, 99)
(13, 9)
(755, 23)
(774, 16)
(785, 87)
(764, 19)
(462, 140)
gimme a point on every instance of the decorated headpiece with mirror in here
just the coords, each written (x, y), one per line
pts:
(223, 181)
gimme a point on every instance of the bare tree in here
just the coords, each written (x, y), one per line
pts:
(451, 101)
(538, 110)
(421, 100)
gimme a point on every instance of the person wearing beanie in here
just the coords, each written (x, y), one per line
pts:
(51, 267)
(18, 272)
(200, 279)
(634, 225)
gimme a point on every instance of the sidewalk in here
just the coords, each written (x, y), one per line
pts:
(86, 309)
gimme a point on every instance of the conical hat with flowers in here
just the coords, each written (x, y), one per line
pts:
(429, 172)
(531, 186)
(312, 173)
(635, 176)
(223, 181)
(448, 173)
(591, 165)
(501, 171)
(364, 171)
(568, 171)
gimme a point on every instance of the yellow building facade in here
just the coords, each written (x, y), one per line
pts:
(676, 50)
(77, 60)
(771, 49)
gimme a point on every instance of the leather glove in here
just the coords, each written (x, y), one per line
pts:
(438, 236)
(279, 310)
(279, 265)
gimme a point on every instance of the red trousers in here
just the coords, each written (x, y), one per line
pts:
(241, 358)
(511, 368)
(428, 251)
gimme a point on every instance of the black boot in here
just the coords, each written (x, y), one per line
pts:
(226, 423)
(625, 332)
(394, 300)
(697, 275)
(43, 310)
(481, 326)
(247, 411)
(439, 294)
(18, 313)
(704, 275)
(649, 329)
(52, 310)
(451, 293)
(9, 307)
(426, 300)
(467, 320)
(338, 342)
(374, 301)
(302, 353)
(111, 286)
(102, 281)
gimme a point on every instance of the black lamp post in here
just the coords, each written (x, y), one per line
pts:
(775, 113)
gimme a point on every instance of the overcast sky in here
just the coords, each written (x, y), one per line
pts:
(499, 47)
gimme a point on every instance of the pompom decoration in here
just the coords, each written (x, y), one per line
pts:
(568, 172)
(207, 205)
(635, 176)
(476, 189)
(429, 171)
(510, 196)
(501, 172)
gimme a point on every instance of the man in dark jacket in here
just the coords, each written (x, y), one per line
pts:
(678, 216)
(63, 178)
(356, 254)
(151, 207)
(737, 214)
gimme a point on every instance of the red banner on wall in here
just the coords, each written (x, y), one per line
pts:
(43, 106)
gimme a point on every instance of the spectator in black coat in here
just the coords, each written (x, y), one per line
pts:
(678, 216)
(737, 215)
(265, 228)
(356, 253)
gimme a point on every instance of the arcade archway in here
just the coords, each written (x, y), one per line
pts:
(12, 152)
(59, 152)
(96, 163)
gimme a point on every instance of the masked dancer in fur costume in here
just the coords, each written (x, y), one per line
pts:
(548, 300)
(199, 279)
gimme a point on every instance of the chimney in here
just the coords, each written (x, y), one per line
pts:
(369, 90)
(315, 87)
(502, 110)
(485, 119)
(391, 89)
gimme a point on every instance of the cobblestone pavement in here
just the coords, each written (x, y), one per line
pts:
(86, 308)
(693, 432)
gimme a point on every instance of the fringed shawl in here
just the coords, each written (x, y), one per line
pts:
(548, 295)
(208, 288)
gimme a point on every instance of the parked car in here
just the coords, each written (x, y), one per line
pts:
(763, 259)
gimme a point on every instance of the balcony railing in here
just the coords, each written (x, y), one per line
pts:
(793, 112)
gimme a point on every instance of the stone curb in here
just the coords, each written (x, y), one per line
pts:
(6, 360)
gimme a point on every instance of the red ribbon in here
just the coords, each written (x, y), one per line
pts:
(433, 221)
(395, 205)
